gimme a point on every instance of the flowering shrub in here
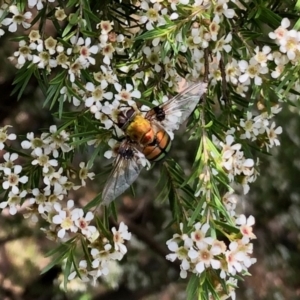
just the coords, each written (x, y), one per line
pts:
(134, 54)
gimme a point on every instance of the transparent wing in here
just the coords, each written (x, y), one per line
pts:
(125, 172)
(178, 108)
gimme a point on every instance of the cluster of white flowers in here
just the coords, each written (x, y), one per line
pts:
(65, 221)
(45, 158)
(254, 128)
(198, 250)
(16, 17)
(12, 182)
(104, 94)
(103, 252)
(260, 128)
(235, 163)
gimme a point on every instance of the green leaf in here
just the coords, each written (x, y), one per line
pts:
(192, 287)
(71, 3)
(61, 106)
(53, 92)
(93, 203)
(21, 4)
(94, 155)
(57, 261)
(114, 212)
(267, 16)
(86, 251)
(102, 227)
(297, 25)
(67, 30)
(212, 289)
(88, 13)
(196, 212)
(22, 78)
(68, 267)
(209, 124)
(62, 248)
(156, 32)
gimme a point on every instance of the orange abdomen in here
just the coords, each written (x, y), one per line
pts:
(159, 148)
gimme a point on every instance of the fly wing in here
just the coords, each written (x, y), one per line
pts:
(125, 172)
(178, 108)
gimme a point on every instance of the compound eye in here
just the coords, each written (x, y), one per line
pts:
(124, 117)
(121, 120)
(129, 113)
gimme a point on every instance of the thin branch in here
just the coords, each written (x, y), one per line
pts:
(144, 235)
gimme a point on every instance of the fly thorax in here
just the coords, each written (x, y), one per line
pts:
(140, 130)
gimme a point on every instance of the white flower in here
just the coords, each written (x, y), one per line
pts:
(36, 143)
(101, 257)
(126, 94)
(111, 153)
(38, 3)
(75, 69)
(107, 74)
(241, 89)
(52, 176)
(290, 44)
(83, 222)
(17, 19)
(109, 114)
(273, 135)
(64, 219)
(86, 51)
(246, 227)
(232, 71)
(102, 270)
(263, 56)
(228, 148)
(204, 258)
(24, 53)
(180, 253)
(152, 15)
(13, 201)
(234, 259)
(97, 94)
(251, 70)
(4, 136)
(84, 174)
(198, 236)
(281, 31)
(59, 140)
(9, 160)
(43, 59)
(106, 26)
(44, 161)
(38, 198)
(153, 56)
(252, 128)
(214, 28)
(107, 51)
(222, 44)
(119, 237)
(12, 179)
(82, 270)
(222, 8)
